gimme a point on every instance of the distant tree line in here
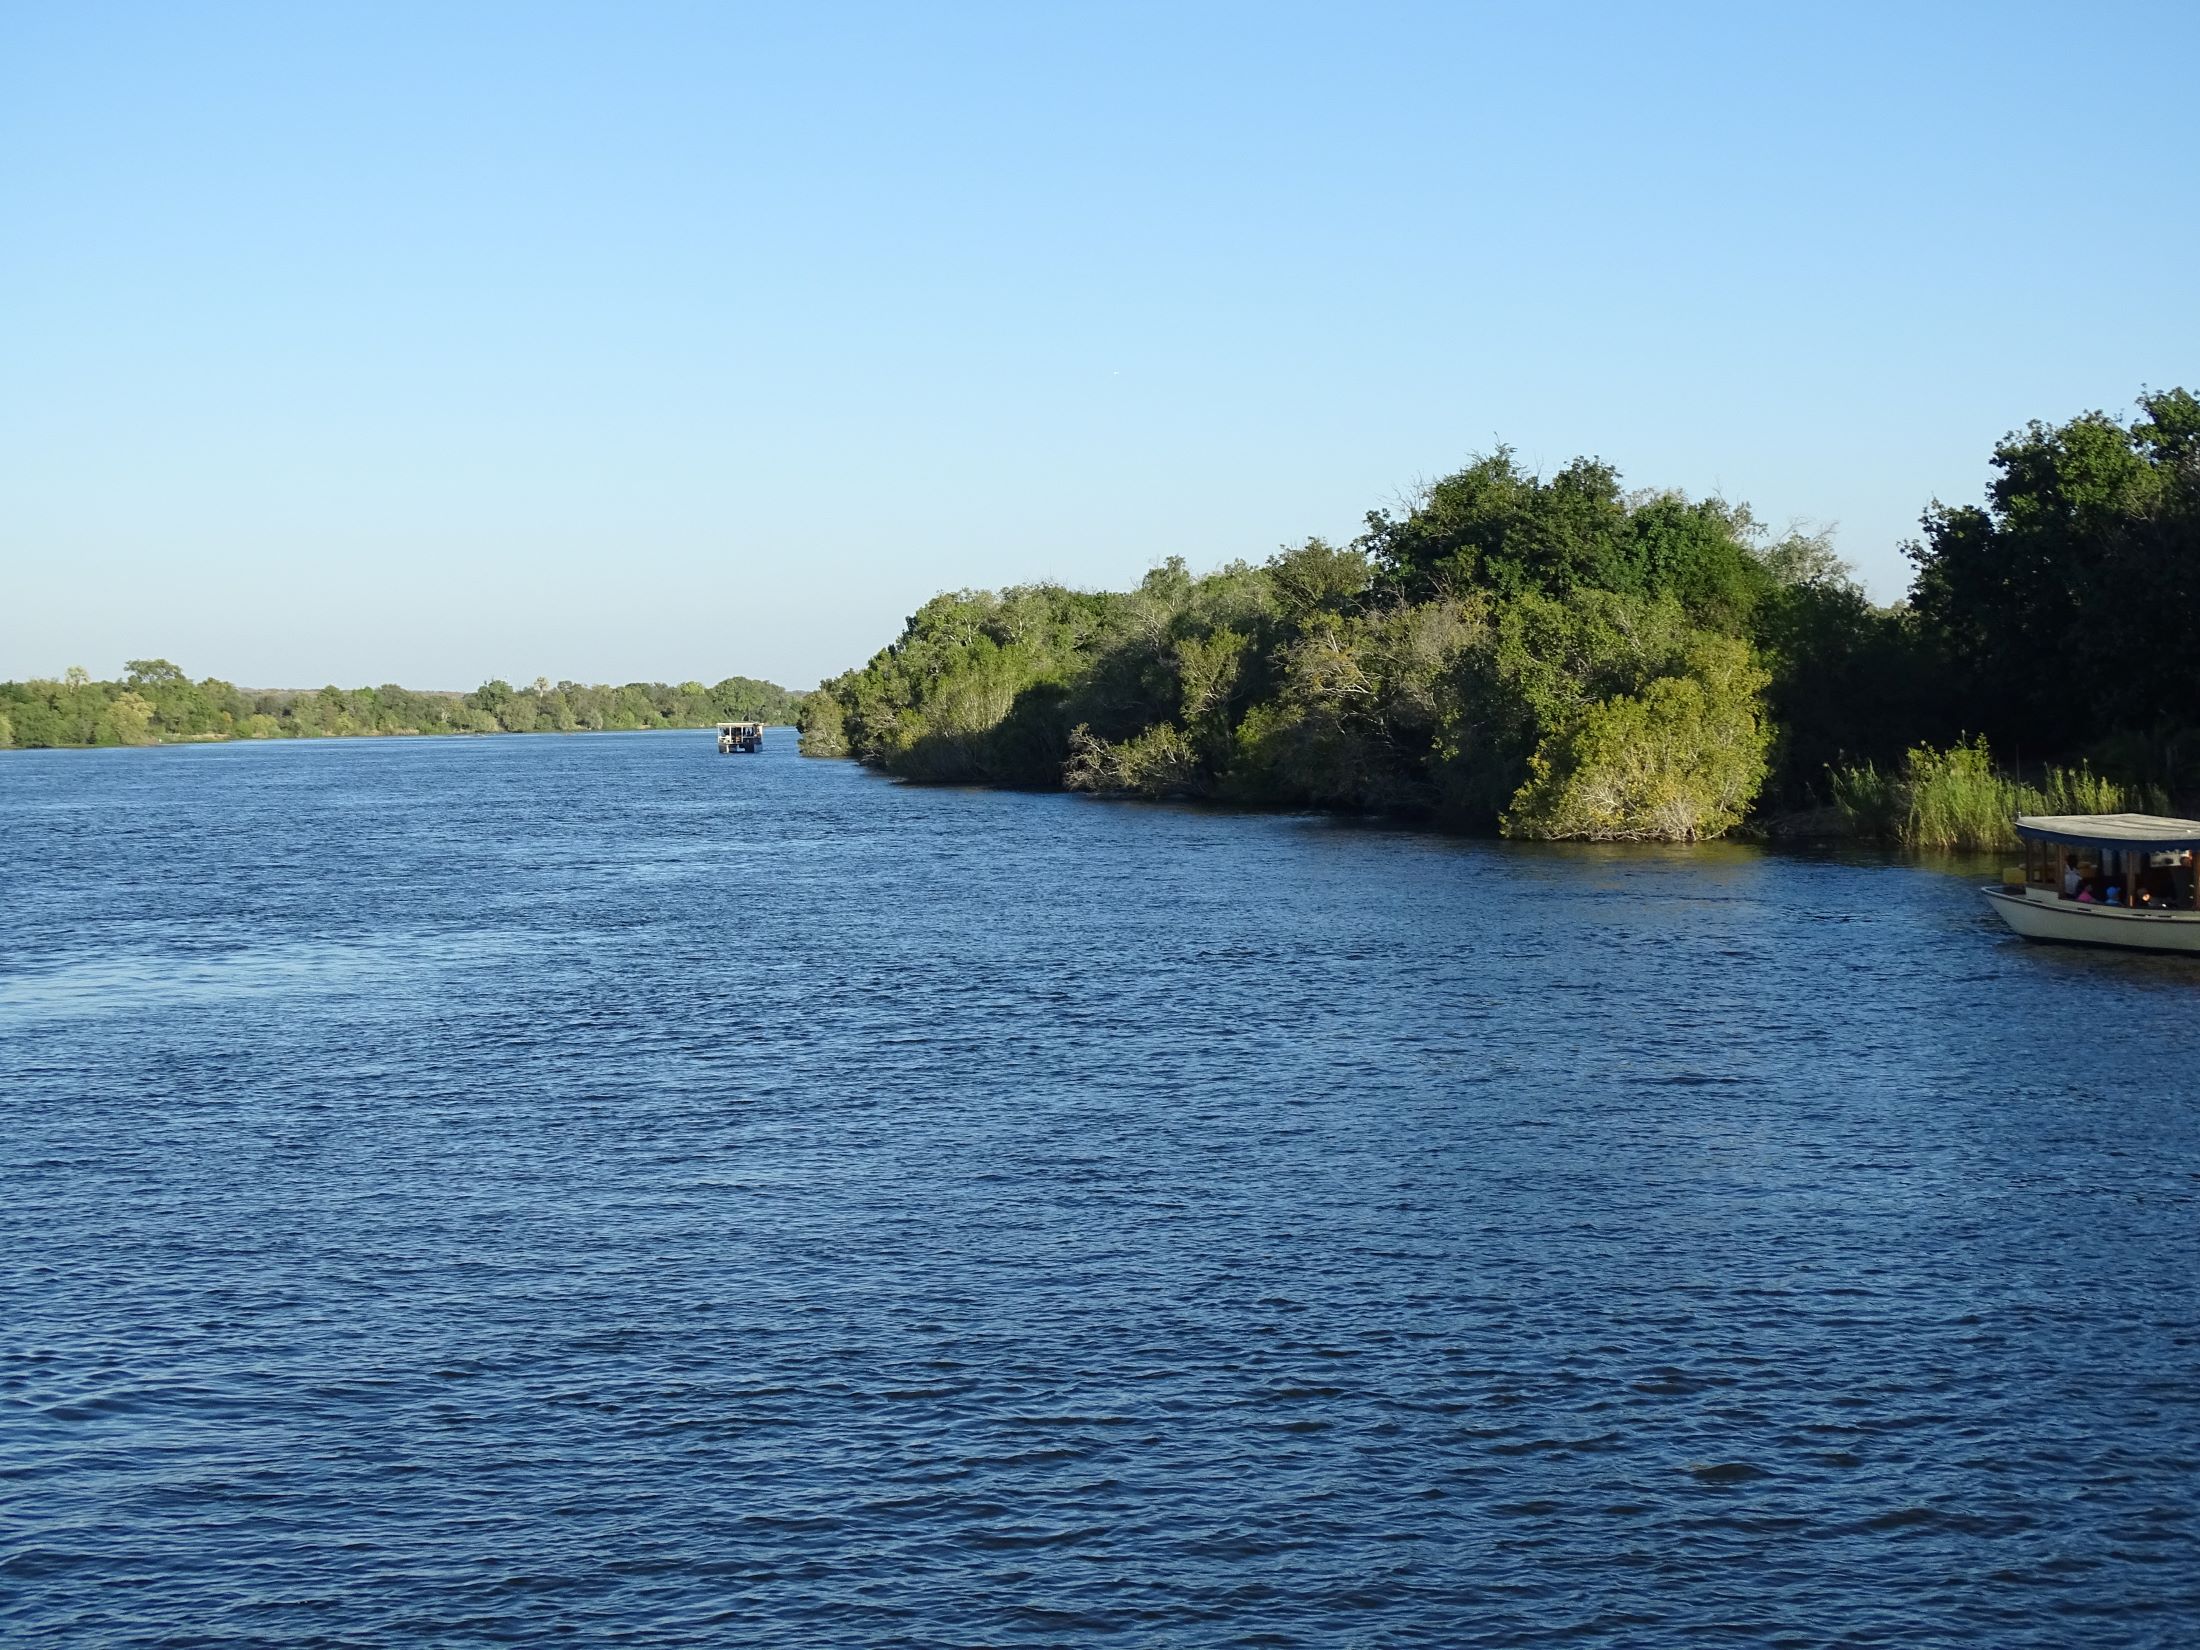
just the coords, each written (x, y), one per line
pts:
(1560, 657)
(155, 702)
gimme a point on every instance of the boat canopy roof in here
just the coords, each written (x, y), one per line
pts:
(2110, 830)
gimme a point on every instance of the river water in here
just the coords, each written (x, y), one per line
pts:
(487, 1190)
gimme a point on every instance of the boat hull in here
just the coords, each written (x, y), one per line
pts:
(2066, 922)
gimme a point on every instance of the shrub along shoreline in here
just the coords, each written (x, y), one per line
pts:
(1561, 658)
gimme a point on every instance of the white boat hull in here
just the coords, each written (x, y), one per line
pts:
(2073, 924)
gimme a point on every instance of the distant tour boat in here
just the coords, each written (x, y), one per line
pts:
(2106, 879)
(740, 736)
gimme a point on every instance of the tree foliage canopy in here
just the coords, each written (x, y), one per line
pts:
(1450, 662)
(2061, 611)
(1558, 656)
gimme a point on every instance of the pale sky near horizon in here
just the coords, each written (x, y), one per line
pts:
(429, 343)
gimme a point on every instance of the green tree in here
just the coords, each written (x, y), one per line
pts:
(1850, 682)
(2060, 610)
(1680, 760)
(129, 719)
(1502, 621)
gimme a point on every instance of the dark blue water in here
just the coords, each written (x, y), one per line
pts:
(462, 1191)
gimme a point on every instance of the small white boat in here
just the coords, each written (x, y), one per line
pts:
(2105, 879)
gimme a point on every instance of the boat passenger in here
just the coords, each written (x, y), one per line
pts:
(2114, 893)
(2085, 893)
(2072, 881)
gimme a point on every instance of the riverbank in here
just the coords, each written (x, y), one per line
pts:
(1559, 656)
(1976, 820)
(155, 703)
(363, 735)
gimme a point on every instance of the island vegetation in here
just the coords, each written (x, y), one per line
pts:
(156, 702)
(1556, 656)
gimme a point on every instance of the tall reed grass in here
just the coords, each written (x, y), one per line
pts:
(1956, 798)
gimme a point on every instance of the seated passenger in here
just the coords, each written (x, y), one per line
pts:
(2111, 897)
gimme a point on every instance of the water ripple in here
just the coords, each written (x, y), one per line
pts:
(475, 1192)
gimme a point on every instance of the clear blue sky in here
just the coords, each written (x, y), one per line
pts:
(427, 343)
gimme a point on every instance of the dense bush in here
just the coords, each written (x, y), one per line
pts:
(1678, 761)
(1559, 657)
(1493, 658)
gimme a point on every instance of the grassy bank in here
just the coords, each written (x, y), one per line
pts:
(1957, 798)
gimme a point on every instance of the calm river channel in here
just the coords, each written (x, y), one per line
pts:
(460, 1191)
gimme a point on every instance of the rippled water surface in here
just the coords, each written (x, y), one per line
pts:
(486, 1190)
